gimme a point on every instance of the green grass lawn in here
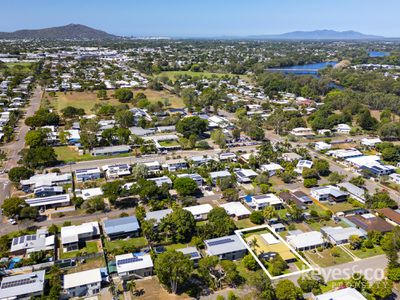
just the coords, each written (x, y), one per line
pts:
(68, 154)
(177, 246)
(365, 253)
(331, 285)
(343, 206)
(244, 223)
(317, 225)
(91, 247)
(138, 242)
(325, 258)
(168, 143)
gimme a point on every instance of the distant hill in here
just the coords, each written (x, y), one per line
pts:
(319, 35)
(67, 32)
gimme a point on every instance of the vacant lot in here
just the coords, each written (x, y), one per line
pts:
(326, 259)
(70, 154)
(365, 253)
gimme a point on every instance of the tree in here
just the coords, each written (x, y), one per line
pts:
(249, 262)
(71, 112)
(358, 282)
(380, 200)
(139, 171)
(12, 206)
(355, 242)
(262, 285)
(36, 138)
(270, 212)
(39, 157)
(322, 167)
(54, 276)
(310, 182)
(131, 286)
(219, 138)
(310, 173)
(17, 174)
(102, 94)
(173, 268)
(219, 223)
(309, 284)
(124, 118)
(335, 178)
(28, 213)
(191, 125)
(382, 289)
(286, 290)
(123, 95)
(53, 229)
(278, 265)
(230, 195)
(112, 190)
(94, 204)
(357, 181)
(391, 245)
(257, 217)
(185, 186)
(178, 225)
(366, 121)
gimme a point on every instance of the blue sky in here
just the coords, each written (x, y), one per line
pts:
(205, 17)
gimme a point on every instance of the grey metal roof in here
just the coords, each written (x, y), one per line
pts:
(18, 285)
(121, 225)
(158, 214)
(225, 244)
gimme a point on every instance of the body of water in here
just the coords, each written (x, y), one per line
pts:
(308, 69)
(378, 54)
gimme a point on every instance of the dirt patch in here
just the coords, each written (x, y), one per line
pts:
(153, 290)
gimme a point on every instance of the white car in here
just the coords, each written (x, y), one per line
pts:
(12, 221)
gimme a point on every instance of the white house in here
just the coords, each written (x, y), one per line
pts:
(370, 142)
(343, 128)
(321, 146)
(199, 212)
(306, 240)
(271, 168)
(91, 193)
(82, 284)
(73, 236)
(261, 201)
(22, 286)
(245, 175)
(302, 132)
(236, 209)
(303, 164)
(130, 266)
(395, 178)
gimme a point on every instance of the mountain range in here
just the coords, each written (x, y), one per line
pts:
(67, 32)
(82, 32)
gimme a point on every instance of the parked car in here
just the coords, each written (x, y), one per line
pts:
(12, 222)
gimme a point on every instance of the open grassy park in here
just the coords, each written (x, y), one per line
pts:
(88, 99)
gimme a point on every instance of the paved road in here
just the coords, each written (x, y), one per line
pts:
(13, 148)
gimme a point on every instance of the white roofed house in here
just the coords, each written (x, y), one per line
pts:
(117, 170)
(26, 244)
(175, 165)
(199, 212)
(261, 201)
(91, 193)
(370, 142)
(130, 266)
(290, 156)
(343, 128)
(329, 193)
(302, 132)
(245, 175)
(82, 284)
(339, 235)
(23, 286)
(49, 202)
(321, 146)
(158, 215)
(303, 164)
(226, 247)
(271, 168)
(161, 180)
(236, 209)
(72, 237)
(193, 254)
(152, 166)
(302, 241)
(49, 179)
(341, 294)
(201, 160)
(227, 156)
(111, 150)
(219, 175)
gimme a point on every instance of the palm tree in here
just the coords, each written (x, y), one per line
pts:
(131, 286)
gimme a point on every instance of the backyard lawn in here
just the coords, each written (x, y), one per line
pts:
(138, 242)
(326, 259)
(244, 223)
(177, 246)
(90, 263)
(90, 248)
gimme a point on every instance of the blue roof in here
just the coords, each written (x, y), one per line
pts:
(121, 225)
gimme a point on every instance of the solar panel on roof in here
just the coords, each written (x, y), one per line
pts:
(28, 238)
(21, 239)
(33, 237)
(193, 254)
(219, 242)
(129, 260)
(17, 283)
(15, 241)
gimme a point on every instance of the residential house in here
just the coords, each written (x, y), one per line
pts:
(344, 153)
(227, 156)
(175, 165)
(303, 197)
(271, 168)
(91, 193)
(395, 178)
(46, 191)
(343, 128)
(215, 176)
(193, 254)
(49, 202)
(152, 166)
(200, 160)
(353, 190)
(130, 266)
(236, 209)
(195, 177)
(302, 132)
(117, 170)
(302, 241)
(261, 201)
(321, 146)
(49, 179)
(121, 227)
(199, 212)
(157, 215)
(23, 286)
(72, 237)
(245, 175)
(369, 222)
(226, 247)
(83, 175)
(341, 294)
(303, 164)
(370, 142)
(290, 156)
(339, 235)
(391, 216)
(26, 244)
(82, 284)
(111, 150)
(162, 180)
(329, 193)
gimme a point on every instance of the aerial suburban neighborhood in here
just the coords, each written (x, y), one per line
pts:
(199, 168)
